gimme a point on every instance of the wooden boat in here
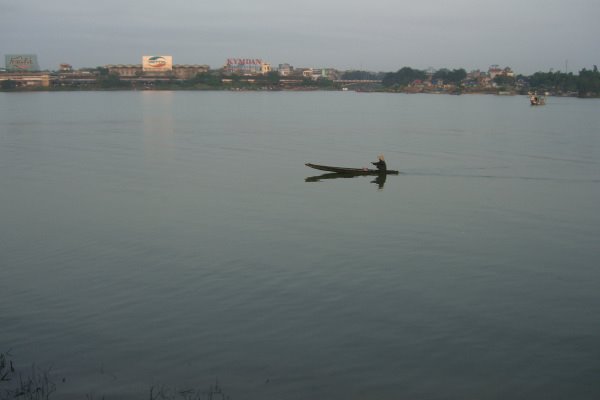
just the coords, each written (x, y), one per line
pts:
(352, 171)
(536, 100)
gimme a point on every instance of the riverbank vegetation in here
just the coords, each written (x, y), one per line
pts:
(584, 84)
(406, 80)
(35, 383)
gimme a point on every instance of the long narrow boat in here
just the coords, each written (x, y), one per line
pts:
(352, 171)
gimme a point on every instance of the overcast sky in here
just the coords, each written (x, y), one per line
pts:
(376, 35)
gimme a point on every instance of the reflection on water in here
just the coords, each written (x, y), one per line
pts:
(157, 126)
(379, 179)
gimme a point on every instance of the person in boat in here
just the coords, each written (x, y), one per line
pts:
(380, 164)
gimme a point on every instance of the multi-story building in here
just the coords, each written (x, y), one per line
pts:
(324, 73)
(186, 71)
(285, 69)
(125, 70)
(495, 71)
(131, 71)
(27, 79)
(64, 67)
(78, 78)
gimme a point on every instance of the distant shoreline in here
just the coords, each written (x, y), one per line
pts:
(406, 80)
(246, 90)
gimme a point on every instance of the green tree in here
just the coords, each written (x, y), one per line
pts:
(8, 84)
(503, 80)
(111, 81)
(272, 78)
(360, 76)
(589, 83)
(206, 79)
(403, 77)
(456, 76)
(554, 81)
(325, 83)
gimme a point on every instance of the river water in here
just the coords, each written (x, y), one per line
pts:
(170, 240)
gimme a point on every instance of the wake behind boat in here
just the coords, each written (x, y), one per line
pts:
(352, 171)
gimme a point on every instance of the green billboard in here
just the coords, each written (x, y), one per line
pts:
(21, 62)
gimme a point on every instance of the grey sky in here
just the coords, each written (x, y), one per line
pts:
(377, 35)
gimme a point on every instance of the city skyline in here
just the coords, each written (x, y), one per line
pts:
(382, 35)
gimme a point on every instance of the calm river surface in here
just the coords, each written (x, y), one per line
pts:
(152, 239)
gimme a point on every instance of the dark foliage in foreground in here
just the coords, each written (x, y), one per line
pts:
(37, 384)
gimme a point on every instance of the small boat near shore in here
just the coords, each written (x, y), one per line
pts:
(537, 100)
(351, 171)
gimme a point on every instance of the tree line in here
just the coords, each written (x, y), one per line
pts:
(407, 75)
(585, 84)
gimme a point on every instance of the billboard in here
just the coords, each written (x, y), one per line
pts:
(244, 65)
(21, 62)
(244, 61)
(157, 63)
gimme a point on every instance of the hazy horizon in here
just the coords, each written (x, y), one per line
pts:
(382, 35)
